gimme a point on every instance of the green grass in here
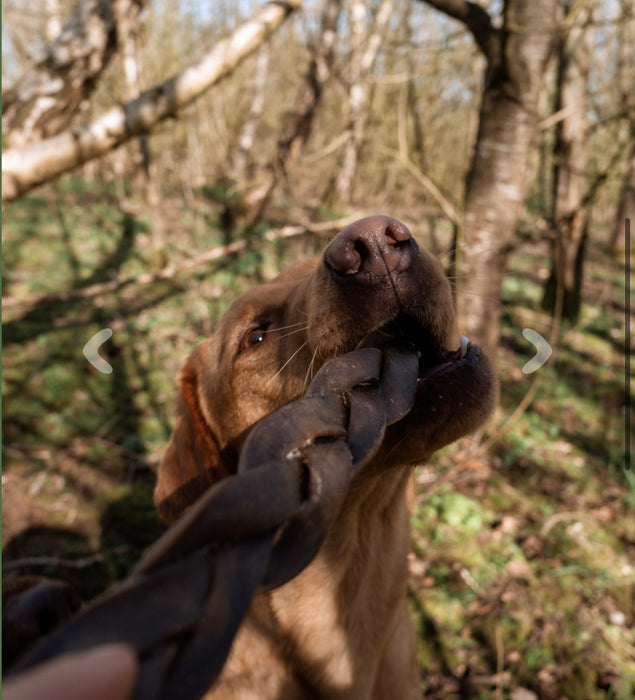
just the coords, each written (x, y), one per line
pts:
(544, 588)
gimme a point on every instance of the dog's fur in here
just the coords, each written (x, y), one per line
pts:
(340, 629)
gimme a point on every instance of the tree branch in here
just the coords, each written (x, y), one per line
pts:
(25, 168)
(62, 562)
(448, 208)
(46, 97)
(171, 271)
(473, 16)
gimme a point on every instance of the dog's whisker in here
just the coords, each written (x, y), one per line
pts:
(284, 328)
(395, 447)
(290, 359)
(290, 333)
(308, 377)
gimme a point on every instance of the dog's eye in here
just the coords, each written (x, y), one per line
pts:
(253, 337)
(256, 337)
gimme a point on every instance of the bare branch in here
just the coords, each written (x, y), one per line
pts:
(365, 45)
(171, 271)
(45, 98)
(61, 562)
(24, 168)
(448, 208)
(473, 16)
(300, 121)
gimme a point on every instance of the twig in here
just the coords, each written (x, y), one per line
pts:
(426, 182)
(60, 562)
(170, 271)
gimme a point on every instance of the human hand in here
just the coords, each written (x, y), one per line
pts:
(106, 672)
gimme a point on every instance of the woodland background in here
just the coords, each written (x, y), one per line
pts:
(143, 197)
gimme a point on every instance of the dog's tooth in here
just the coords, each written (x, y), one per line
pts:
(465, 341)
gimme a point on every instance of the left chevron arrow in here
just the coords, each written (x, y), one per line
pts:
(91, 348)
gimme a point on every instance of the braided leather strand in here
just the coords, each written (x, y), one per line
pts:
(183, 603)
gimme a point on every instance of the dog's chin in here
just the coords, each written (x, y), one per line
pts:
(454, 398)
(455, 392)
(449, 366)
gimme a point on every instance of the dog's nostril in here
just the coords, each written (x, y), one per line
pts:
(396, 232)
(362, 249)
(377, 246)
(344, 256)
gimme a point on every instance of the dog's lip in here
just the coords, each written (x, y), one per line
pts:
(434, 360)
(449, 359)
(403, 329)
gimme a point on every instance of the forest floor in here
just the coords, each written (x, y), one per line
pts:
(522, 577)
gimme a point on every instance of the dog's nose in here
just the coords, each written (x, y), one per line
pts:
(372, 248)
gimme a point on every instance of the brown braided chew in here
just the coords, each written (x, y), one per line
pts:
(252, 531)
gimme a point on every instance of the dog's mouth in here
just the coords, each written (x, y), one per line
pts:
(434, 360)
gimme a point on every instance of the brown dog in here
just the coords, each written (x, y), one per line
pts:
(340, 629)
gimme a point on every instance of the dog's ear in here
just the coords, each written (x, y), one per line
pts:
(192, 461)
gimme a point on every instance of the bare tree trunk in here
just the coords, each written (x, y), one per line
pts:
(299, 127)
(363, 54)
(45, 99)
(27, 167)
(562, 293)
(516, 54)
(626, 205)
(241, 167)
(53, 22)
(418, 146)
(239, 179)
(145, 176)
